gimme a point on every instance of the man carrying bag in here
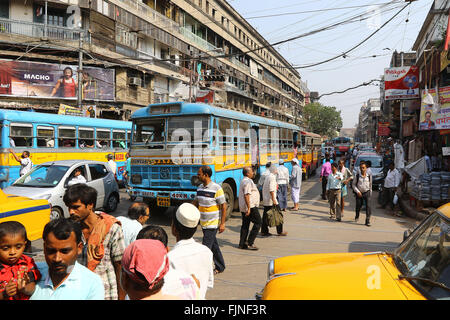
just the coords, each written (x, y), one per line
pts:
(269, 192)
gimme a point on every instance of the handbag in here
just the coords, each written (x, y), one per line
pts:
(274, 216)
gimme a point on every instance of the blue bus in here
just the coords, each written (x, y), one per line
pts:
(51, 137)
(171, 141)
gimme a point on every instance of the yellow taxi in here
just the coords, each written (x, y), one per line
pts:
(33, 214)
(419, 268)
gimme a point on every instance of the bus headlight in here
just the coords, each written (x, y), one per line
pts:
(136, 179)
(270, 269)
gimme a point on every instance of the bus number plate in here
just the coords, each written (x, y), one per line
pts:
(163, 201)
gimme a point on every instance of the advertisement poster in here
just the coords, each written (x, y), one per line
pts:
(47, 80)
(401, 83)
(430, 120)
(86, 111)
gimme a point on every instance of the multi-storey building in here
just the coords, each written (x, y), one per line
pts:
(136, 52)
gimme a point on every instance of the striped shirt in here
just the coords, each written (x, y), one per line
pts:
(209, 199)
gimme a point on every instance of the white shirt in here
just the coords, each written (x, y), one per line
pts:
(263, 177)
(130, 228)
(25, 166)
(392, 179)
(399, 158)
(248, 187)
(180, 284)
(113, 166)
(282, 175)
(194, 258)
(77, 179)
(270, 185)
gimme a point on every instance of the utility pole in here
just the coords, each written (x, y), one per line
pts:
(401, 109)
(80, 71)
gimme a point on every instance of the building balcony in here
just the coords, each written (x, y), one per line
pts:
(39, 30)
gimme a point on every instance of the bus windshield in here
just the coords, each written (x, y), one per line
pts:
(152, 132)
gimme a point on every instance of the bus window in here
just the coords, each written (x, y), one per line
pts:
(284, 139)
(263, 137)
(244, 136)
(119, 139)
(45, 137)
(66, 137)
(86, 137)
(1, 137)
(198, 128)
(149, 131)
(21, 135)
(103, 138)
(225, 133)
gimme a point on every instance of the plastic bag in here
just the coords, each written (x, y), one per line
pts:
(395, 200)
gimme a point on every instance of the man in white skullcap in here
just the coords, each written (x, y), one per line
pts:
(188, 255)
(295, 181)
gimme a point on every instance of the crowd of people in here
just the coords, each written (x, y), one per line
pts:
(337, 180)
(93, 255)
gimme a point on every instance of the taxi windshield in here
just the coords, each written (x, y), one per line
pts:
(43, 176)
(425, 255)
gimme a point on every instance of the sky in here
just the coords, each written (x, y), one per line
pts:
(298, 17)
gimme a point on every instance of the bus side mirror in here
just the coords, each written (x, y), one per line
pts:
(195, 181)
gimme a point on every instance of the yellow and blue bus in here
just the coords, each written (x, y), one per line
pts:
(171, 141)
(51, 137)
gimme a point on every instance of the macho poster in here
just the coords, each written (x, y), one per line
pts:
(46, 80)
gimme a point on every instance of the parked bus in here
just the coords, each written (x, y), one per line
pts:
(51, 137)
(342, 145)
(165, 159)
(311, 149)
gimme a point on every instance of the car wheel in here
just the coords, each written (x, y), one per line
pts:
(229, 198)
(112, 203)
(56, 213)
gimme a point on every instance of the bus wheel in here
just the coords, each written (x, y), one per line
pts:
(56, 213)
(229, 197)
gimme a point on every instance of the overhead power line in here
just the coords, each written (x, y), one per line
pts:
(348, 89)
(357, 45)
(313, 11)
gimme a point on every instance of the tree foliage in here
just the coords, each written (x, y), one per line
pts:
(323, 120)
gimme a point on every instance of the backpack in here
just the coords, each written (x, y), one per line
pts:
(357, 180)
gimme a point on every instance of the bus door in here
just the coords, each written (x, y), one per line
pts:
(255, 149)
(296, 146)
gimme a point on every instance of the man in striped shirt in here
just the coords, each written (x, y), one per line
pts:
(212, 205)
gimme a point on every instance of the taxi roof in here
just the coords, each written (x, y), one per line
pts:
(445, 210)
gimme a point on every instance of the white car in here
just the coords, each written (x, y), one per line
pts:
(50, 180)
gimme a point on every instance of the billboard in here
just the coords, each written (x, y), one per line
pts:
(430, 120)
(47, 80)
(401, 83)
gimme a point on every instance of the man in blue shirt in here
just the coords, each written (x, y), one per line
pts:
(334, 186)
(63, 278)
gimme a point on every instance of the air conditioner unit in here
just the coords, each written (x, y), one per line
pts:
(134, 81)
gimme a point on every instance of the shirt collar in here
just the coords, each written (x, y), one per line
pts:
(73, 276)
(184, 242)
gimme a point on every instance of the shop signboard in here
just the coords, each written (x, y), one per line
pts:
(58, 81)
(383, 129)
(431, 120)
(401, 83)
